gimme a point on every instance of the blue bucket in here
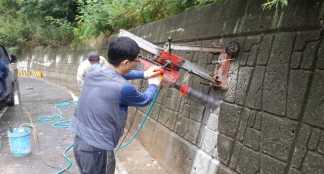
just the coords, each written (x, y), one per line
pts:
(19, 141)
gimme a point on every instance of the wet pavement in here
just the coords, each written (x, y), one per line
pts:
(48, 143)
(38, 99)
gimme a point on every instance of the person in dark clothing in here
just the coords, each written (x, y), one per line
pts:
(101, 114)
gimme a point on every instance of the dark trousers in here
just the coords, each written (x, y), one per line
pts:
(92, 160)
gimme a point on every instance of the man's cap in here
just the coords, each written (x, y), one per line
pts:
(93, 56)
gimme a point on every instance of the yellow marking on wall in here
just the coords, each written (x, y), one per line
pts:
(35, 74)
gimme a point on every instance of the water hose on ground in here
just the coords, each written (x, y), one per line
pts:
(58, 121)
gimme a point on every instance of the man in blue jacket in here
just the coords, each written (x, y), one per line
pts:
(101, 114)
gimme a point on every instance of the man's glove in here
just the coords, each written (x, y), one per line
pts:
(155, 80)
(152, 72)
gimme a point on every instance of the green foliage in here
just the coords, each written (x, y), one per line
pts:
(107, 16)
(269, 4)
(56, 32)
(59, 22)
(37, 22)
(9, 34)
(10, 23)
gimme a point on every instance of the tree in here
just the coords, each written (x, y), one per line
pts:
(59, 22)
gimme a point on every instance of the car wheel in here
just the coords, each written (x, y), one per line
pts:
(13, 97)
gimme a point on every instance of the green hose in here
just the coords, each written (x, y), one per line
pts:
(68, 161)
(58, 121)
(55, 120)
(141, 125)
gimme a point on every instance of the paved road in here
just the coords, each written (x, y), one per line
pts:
(37, 98)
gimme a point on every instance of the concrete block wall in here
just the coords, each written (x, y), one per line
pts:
(58, 64)
(271, 120)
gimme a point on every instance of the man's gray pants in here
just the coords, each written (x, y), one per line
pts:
(92, 160)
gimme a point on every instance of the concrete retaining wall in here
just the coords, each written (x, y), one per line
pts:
(271, 120)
